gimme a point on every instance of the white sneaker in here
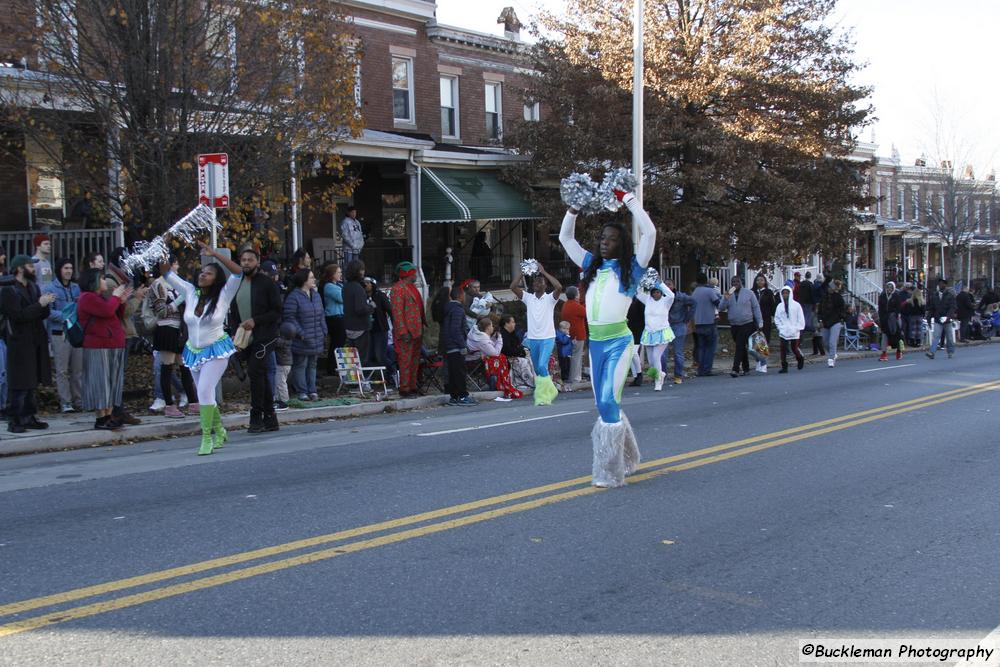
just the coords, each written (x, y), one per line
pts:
(183, 402)
(158, 405)
(762, 367)
(830, 362)
(658, 385)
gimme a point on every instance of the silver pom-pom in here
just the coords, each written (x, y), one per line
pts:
(145, 255)
(194, 224)
(620, 180)
(579, 192)
(529, 267)
(650, 280)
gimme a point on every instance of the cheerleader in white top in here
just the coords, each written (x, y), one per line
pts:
(657, 334)
(611, 277)
(208, 347)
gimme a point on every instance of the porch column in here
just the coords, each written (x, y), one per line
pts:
(927, 261)
(415, 232)
(293, 206)
(902, 240)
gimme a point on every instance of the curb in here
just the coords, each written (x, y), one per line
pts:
(39, 444)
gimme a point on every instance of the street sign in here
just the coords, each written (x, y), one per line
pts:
(213, 180)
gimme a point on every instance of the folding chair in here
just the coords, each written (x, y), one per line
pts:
(351, 372)
(475, 373)
(429, 371)
(852, 340)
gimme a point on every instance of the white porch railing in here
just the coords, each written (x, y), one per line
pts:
(671, 272)
(722, 273)
(72, 243)
(867, 285)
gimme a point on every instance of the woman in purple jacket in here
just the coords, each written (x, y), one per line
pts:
(304, 309)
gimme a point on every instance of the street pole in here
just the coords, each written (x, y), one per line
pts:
(637, 106)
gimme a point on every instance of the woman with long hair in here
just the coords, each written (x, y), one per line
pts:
(358, 309)
(304, 310)
(333, 308)
(612, 272)
(208, 346)
(169, 343)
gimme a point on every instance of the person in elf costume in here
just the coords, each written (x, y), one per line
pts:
(611, 276)
(208, 347)
(408, 322)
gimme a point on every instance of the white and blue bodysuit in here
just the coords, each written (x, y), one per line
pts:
(615, 451)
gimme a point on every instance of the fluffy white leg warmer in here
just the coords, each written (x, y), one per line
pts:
(631, 447)
(609, 453)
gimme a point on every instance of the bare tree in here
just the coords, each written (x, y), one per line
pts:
(956, 200)
(131, 90)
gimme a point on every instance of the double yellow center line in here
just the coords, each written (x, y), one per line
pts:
(419, 525)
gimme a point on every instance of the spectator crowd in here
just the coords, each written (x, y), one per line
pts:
(78, 323)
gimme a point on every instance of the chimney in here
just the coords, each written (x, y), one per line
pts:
(511, 24)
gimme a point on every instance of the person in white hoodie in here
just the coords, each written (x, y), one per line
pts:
(790, 321)
(657, 334)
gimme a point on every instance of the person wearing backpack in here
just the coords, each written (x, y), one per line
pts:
(68, 359)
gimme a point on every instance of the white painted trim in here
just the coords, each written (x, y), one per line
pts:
(410, 8)
(448, 193)
(381, 25)
(456, 102)
(411, 89)
(402, 51)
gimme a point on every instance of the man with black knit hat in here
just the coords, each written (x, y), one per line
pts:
(26, 310)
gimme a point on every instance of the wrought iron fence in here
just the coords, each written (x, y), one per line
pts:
(72, 243)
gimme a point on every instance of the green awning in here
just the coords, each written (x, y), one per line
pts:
(464, 195)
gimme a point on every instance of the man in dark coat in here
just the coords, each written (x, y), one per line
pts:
(942, 307)
(966, 304)
(26, 309)
(257, 308)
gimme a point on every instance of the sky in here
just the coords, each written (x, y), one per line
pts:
(922, 55)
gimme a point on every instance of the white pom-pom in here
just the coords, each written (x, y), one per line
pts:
(579, 192)
(650, 280)
(620, 180)
(529, 267)
(194, 224)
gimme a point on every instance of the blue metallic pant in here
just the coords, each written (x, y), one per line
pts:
(541, 350)
(609, 364)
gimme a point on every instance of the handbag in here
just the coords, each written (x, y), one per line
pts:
(242, 338)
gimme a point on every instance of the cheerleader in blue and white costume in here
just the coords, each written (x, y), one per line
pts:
(611, 278)
(657, 334)
(208, 347)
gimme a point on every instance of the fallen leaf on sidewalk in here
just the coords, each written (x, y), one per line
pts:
(536, 540)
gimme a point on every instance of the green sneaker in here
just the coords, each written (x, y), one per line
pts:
(207, 416)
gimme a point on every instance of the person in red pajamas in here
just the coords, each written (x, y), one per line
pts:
(407, 326)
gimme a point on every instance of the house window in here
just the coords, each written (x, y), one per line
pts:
(59, 40)
(531, 112)
(402, 89)
(494, 104)
(449, 106)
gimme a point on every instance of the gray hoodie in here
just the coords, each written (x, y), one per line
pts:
(743, 307)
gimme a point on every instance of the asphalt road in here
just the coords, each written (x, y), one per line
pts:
(838, 503)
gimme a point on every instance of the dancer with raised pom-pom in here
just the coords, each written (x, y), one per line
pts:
(612, 273)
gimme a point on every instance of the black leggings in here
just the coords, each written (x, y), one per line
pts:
(455, 361)
(338, 338)
(166, 378)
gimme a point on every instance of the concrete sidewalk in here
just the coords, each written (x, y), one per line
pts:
(76, 431)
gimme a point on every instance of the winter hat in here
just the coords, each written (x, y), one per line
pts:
(21, 260)
(40, 239)
(406, 269)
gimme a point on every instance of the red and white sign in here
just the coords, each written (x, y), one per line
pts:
(213, 180)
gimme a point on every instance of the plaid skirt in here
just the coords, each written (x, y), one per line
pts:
(103, 378)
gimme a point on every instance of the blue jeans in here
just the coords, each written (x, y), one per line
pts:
(708, 337)
(304, 373)
(949, 336)
(680, 333)
(541, 350)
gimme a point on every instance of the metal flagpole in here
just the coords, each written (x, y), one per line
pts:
(637, 106)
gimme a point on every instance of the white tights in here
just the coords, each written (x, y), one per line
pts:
(653, 355)
(207, 377)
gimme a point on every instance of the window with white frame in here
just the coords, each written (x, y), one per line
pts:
(531, 111)
(494, 105)
(402, 89)
(221, 46)
(449, 106)
(59, 44)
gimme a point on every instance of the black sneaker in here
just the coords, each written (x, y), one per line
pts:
(14, 427)
(35, 425)
(280, 406)
(106, 424)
